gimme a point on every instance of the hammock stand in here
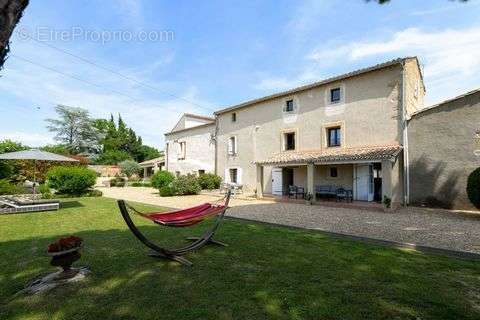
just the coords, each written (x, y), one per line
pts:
(179, 218)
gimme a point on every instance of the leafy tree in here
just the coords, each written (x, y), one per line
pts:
(148, 153)
(11, 146)
(473, 187)
(129, 167)
(75, 129)
(56, 148)
(10, 13)
(112, 157)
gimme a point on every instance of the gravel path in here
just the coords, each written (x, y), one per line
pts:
(426, 227)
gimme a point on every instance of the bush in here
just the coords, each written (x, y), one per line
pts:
(473, 187)
(9, 188)
(167, 191)
(6, 170)
(44, 189)
(209, 181)
(161, 179)
(136, 184)
(185, 185)
(129, 167)
(117, 182)
(71, 180)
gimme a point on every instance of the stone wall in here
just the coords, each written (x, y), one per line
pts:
(441, 152)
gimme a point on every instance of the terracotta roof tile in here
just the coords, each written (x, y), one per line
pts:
(364, 153)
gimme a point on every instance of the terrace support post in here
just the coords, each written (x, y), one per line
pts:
(145, 173)
(259, 181)
(387, 187)
(310, 179)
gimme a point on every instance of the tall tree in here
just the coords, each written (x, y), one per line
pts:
(75, 129)
(10, 13)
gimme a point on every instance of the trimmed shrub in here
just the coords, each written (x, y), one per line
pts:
(129, 167)
(473, 187)
(209, 181)
(185, 185)
(167, 191)
(71, 180)
(161, 179)
(117, 182)
(136, 184)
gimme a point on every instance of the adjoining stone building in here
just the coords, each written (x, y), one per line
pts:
(443, 150)
(190, 146)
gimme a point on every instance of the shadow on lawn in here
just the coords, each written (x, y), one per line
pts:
(70, 204)
(267, 272)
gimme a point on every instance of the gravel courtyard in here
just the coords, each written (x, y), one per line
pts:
(426, 227)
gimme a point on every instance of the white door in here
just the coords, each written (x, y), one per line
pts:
(363, 183)
(277, 183)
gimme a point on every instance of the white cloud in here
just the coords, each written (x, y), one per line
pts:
(31, 139)
(271, 83)
(446, 54)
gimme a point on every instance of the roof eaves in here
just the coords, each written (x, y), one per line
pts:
(316, 84)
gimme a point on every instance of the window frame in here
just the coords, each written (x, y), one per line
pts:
(338, 137)
(183, 150)
(289, 103)
(232, 147)
(286, 142)
(233, 117)
(331, 170)
(230, 170)
(332, 90)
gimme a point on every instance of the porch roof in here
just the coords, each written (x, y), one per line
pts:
(332, 155)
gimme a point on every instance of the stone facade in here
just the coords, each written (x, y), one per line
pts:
(369, 113)
(442, 151)
(190, 146)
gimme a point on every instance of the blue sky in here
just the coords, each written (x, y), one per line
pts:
(206, 55)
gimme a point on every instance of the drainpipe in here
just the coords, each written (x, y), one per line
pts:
(406, 165)
(215, 139)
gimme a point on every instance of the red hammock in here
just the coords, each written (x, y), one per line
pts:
(179, 218)
(185, 217)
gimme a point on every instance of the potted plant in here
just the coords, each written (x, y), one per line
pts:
(308, 198)
(64, 253)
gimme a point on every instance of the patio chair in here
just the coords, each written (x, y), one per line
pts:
(294, 191)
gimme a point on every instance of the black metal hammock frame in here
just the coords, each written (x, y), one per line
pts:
(175, 254)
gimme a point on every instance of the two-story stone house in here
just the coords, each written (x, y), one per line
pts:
(345, 131)
(190, 145)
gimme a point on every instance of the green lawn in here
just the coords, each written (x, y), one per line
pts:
(267, 273)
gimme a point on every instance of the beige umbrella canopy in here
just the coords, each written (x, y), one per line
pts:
(35, 155)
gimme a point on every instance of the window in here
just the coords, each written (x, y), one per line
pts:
(289, 141)
(333, 172)
(232, 146)
(234, 117)
(233, 175)
(335, 95)
(289, 106)
(177, 173)
(201, 172)
(334, 137)
(183, 150)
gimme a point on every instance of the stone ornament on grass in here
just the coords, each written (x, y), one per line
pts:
(64, 252)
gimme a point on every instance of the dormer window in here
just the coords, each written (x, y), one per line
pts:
(335, 95)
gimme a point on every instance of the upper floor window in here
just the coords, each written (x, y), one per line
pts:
(232, 145)
(289, 141)
(334, 136)
(335, 95)
(234, 117)
(289, 106)
(183, 150)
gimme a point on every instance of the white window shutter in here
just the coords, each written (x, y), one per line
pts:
(230, 146)
(236, 146)
(239, 175)
(227, 175)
